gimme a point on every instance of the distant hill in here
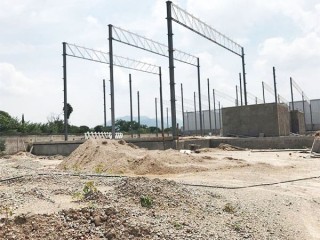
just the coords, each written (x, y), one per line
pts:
(150, 122)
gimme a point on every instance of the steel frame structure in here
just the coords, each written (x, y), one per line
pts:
(267, 87)
(90, 54)
(187, 20)
(132, 39)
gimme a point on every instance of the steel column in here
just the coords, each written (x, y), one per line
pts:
(264, 99)
(311, 116)
(104, 104)
(111, 82)
(161, 103)
(304, 113)
(199, 92)
(214, 109)
(220, 116)
(138, 96)
(182, 106)
(171, 71)
(65, 112)
(240, 88)
(195, 112)
(292, 103)
(156, 108)
(275, 84)
(210, 125)
(244, 77)
(237, 99)
(167, 121)
(131, 110)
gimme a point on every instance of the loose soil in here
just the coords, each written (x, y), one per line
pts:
(218, 193)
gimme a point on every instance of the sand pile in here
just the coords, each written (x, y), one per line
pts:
(119, 157)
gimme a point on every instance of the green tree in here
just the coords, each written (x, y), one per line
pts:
(8, 123)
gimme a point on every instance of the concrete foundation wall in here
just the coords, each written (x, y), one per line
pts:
(270, 119)
(297, 122)
(66, 148)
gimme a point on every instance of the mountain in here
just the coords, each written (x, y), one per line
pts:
(150, 122)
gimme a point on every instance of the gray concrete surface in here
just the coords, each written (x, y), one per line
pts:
(270, 119)
(297, 122)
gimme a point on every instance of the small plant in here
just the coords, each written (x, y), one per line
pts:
(237, 227)
(99, 168)
(88, 189)
(7, 211)
(177, 225)
(77, 196)
(229, 208)
(2, 145)
(146, 201)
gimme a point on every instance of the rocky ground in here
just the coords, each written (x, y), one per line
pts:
(44, 202)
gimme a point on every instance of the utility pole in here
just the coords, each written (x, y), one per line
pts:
(240, 88)
(138, 95)
(275, 84)
(214, 109)
(131, 111)
(210, 124)
(156, 105)
(104, 103)
(195, 111)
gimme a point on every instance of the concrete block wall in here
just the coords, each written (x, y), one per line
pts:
(297, 122)
(270, 119)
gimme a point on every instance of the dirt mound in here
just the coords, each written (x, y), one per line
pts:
(228, 147)
(110, 156)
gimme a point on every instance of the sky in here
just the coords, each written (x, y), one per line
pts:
(284, 34)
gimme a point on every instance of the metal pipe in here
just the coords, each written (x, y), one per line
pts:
(131, 109)
(210, 124)
(195, 111)
(161, 103)
(214, 109)
(275, 84)
(304, 113)
(237, 100)
(171, 71)
(292, 102)
(156, 107)
(264, 99)
(240, 88)
(256, 100)
(65, 112)
(182, 106)
(167, 121)
(104, 104)
(311, 116)
(244, 76)
(199, 92)
(138, 96)
(220, 116)
(111, 82)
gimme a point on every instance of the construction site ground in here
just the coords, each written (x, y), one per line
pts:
(113, 190)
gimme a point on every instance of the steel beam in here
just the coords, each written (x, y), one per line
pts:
(275, 85)
(113, 128)
(182, 108)
(65, 110)
(209, 102)
(131, 109)
(199, 92)
(161, 103)
(104, 104)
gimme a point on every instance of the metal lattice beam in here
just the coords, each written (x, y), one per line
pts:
(255, 98)
(138, 41)
(189, 21)
(103, 57)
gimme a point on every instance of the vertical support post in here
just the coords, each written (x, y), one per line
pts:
(104, 104)
(304, 113)
(156, 108)
(138, 96)
(311, 116)
(240, 88)
(161, 103)
(220, 116)
(244, 77)
(264, 99)
(256, 100)
(111, 81)
(199, 92)
(131, 111)
(182, 106)
(168, 121)
(171, 71)
(64, 55)
(237, 99)
(210, 124)
(275, 84)
(188, 121)
(292, 103)
(195, 112)
(214, 109)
